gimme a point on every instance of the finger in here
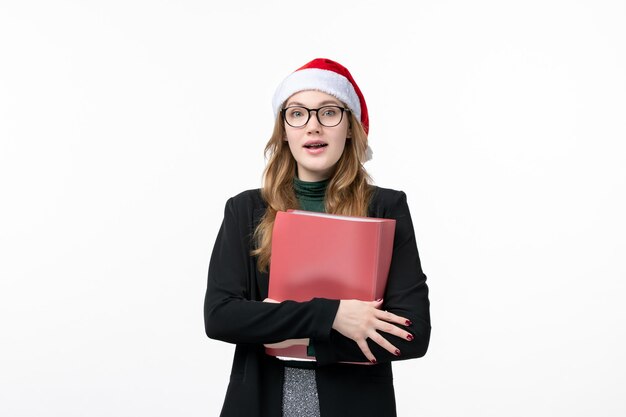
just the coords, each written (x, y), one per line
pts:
(366, 350)
(392, 318)
(394, 330)
(377, 303)
(384, 343)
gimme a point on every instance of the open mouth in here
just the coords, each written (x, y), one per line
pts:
(315, 145)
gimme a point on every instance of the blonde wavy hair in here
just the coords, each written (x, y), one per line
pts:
(347, 193)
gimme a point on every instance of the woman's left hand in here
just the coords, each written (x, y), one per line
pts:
(362, 320)
(285, 343)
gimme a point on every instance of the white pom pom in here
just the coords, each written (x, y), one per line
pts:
(368, 154)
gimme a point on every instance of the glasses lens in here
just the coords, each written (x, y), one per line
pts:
(296, 116)
(330, 116)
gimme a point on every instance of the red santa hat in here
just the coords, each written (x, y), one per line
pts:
(329, 77)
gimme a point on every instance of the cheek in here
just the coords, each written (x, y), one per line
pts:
(340, 149)
(291, 137)
(293, 148)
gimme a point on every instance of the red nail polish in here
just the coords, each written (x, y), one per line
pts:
(373, 361)
(409, 337)
(408, 322)
(397, 352)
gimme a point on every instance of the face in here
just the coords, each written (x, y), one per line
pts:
(316, 148)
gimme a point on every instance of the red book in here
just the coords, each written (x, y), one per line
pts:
(328, 256)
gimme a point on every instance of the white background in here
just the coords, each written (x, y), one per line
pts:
(125, 126)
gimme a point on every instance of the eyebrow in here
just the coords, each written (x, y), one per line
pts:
(322, 104)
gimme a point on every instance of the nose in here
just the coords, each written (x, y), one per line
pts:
(313, 125)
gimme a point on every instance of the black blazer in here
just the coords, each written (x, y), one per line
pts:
(233, 313)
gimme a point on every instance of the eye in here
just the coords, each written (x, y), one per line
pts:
(329, 111)
(295, 113)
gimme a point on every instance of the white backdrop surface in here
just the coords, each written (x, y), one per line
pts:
(125, 126)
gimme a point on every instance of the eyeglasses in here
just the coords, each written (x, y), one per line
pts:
(298, 116)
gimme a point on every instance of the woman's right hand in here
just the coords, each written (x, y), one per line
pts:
(360, 320)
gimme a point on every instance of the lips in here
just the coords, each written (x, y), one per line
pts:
(315, 144)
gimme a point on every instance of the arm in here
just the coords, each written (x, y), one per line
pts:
(406, 296)
(285, 343)
(229, 312)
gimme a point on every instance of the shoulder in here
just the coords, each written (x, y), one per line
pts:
(386, 196)
(247, 199)
(387, 203)
(247, 206)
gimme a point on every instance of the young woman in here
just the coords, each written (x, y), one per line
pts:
(315, 162)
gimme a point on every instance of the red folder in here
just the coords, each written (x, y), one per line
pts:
(328, 256)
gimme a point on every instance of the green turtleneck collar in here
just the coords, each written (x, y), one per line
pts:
(310, 194)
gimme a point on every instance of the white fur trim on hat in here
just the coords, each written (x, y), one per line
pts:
(325, 81)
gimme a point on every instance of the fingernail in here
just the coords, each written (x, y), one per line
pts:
(409, 337)
(397, 352)
(373, 361)
(408, 322)
(379, 300)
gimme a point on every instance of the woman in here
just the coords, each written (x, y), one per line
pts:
(316, 156)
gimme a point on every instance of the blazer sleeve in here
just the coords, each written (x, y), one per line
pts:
(231, 315)
(406, 295)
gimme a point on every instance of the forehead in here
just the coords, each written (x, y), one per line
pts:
(311, 98)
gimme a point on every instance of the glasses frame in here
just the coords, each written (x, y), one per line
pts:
(317, 115)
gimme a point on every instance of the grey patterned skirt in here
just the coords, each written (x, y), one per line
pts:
(300, 393)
